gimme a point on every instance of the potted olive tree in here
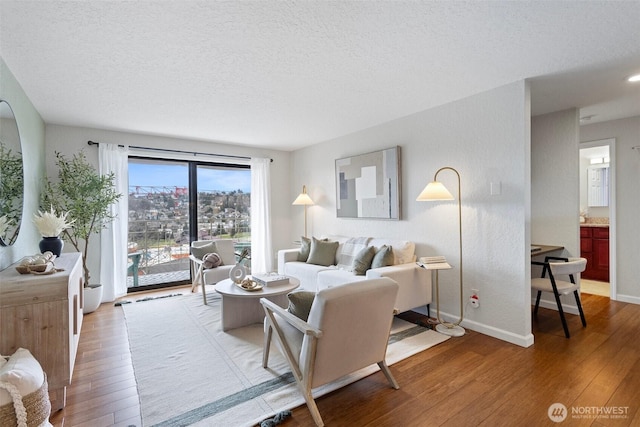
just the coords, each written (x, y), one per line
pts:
(86, 195)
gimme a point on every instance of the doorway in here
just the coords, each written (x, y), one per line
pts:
(597, 216)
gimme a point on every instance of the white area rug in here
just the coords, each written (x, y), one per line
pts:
(189, 372)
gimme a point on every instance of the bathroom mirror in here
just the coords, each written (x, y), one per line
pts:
(11, 176)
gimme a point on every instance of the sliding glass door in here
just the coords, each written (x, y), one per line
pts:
(224, 197)
(158, 243)
(172, 203)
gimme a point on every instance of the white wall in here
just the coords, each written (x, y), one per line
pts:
(555, 188)
(555, 184)
(31, 128)
(486, 137)
(69, 140)
(627, 163)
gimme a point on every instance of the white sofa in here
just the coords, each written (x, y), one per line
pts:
(414, 282)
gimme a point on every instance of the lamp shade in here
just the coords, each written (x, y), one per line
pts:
(435, 190)
(303, 198)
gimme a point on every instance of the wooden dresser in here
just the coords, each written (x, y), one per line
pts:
(43, 313)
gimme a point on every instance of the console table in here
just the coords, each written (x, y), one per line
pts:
(43, 313)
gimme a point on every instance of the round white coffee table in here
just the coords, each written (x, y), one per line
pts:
(242, 308)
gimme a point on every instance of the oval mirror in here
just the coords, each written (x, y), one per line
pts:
(11, 176)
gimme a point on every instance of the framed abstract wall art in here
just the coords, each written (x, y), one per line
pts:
(368, 185)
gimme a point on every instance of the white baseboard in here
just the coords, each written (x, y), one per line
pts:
(628, 298)
(573, 309)
(501, 334)
(551, 305)
(521, 340)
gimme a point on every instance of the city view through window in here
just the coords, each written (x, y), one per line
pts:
(161, 211)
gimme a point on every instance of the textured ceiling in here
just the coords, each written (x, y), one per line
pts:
(286, 74)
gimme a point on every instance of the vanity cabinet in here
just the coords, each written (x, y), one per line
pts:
(43, 313)
(594, 246)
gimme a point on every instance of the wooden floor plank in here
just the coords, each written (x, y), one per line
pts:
(473, 380)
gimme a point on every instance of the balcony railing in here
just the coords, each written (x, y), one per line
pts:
(159, 250)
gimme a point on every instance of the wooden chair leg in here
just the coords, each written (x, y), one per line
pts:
(313, 408)
(197, 277)
(584, 321)
(204, 292)
(267, 347)
(387, 373)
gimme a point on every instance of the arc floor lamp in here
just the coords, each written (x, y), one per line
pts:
(304, 200)
(435, 191)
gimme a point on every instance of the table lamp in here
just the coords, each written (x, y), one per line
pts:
(435, 191)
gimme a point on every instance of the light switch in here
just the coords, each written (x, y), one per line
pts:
(496, 188)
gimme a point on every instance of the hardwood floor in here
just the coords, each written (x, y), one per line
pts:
(467, 381)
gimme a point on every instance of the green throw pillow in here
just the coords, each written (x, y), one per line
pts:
(362, 261)
(200, 251)
(300, 303)
(383, 257)
(305, 248)
(322, 252)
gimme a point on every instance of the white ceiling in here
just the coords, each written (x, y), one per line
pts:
(286, 74)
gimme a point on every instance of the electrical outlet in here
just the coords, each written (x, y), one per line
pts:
(474, 300)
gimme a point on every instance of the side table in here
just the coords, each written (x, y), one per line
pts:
(242, 308)
(442, 327)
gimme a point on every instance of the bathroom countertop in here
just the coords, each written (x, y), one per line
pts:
(596, 221)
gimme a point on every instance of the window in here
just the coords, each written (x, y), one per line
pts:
(171, 204)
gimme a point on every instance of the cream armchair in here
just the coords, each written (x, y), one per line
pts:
(211, 276)
(347, 329)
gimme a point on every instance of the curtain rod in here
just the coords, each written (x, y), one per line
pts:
(195, 153)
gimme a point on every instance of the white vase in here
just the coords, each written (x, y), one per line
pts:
(237, 273)
(92, 298)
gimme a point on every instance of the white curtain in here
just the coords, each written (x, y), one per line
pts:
(113, 238)
(261, 252)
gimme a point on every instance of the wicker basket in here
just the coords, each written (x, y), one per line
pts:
(37, 405)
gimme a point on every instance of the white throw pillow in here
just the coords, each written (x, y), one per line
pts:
(23, 371)
(403, 250)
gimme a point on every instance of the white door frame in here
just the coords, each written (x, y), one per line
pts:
(611, 143)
